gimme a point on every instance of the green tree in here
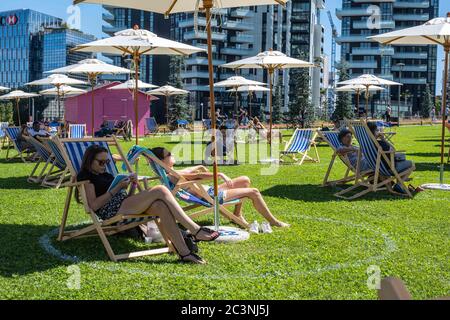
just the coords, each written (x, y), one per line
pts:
(343, 102)
(6, 112)
(178, 106)
(301, 110)
(278, 101)
(427, 103)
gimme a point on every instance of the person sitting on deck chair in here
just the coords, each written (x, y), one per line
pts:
(157, 200)
(231, 189)
(401, 164)
(36, 131)
(104, 130)
(345, 138)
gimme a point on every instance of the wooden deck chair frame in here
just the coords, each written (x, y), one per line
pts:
(378, 181)
(104, 228)
(150, 131)
(183, 183)
(69, 133)
(125, 131)
(44, 158)
(12, 143)
(350, 172)
(58, 175)
(303, 155)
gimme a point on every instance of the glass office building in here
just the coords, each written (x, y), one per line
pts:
(21, 44)
(57, 43)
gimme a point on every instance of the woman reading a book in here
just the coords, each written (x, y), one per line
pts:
(109, 200)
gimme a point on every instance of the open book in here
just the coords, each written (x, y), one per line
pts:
(117, 180)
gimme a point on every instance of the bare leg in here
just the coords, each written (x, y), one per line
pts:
(240, 182)
(258, 202)
(142, 201)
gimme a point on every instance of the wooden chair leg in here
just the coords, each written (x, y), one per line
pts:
(65, 213)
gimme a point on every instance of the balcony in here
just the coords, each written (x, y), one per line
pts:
(191, 22)
(111, 29)
(353, 38)
(411, 4)
(410, 55)
(417, 68)
(242, 13)
(242, 38)
(376, 1)
(237, 25)
(217, 36)
(373, 51)
(362, 65)
(352, 13)
(195, 74)
(236, 51)
(411, 80)
(203, 61)
(412, 17)
(384, 24)
(108, 17)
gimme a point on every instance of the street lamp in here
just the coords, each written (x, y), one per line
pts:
(400, 66)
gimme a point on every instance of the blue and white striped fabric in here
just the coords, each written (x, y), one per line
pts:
(333, 138)
(230, 124)
(77, 131)
(151, 124)
(3, 126)
(369, 149)
(207, 124)
(60, 162)
(40, 149)
(76, 149)
(301, 141)
(13, 133)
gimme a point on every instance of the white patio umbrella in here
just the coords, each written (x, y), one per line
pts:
(92, 68)
(270, 60)
(368, 81)
(250, 90)
(235, 82)
(131, 84)
(433, 32)
(137, 42)
(17, 95)
(358, 89)
(167, 91)
(4, 88)
(177, 6)
(63, 91)
(56, 80)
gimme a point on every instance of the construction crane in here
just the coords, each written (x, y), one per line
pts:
(332, 94)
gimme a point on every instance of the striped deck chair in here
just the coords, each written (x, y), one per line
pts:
(384, 171)
(331, 138)
(3, 126)
(388, 135)
(73, 151)
(207, 124)
(44, 158)
(178, 189)
(77, 131)
(301, 142)
(12, 133)
(58, 172)
(231, 124)
(151, 126)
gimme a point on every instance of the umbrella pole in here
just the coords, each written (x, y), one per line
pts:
(18, 113)
(250, 104)
(443, 108)
(92, 80)
(58, 101)
(236, 105)
(358, 92)
(208, 4)
(367, 102)
(167, 111)
(136, 111)
(270, 111)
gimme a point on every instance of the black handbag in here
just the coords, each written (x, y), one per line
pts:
(189, 240)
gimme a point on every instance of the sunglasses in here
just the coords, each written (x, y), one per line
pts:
(102, 163)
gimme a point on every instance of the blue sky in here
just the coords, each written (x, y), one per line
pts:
(91, 20)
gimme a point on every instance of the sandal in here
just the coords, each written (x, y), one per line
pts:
(197, 259)
(214, 234)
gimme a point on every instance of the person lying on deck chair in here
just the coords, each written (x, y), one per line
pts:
(231, 189)
(345, 138)
(157, 201)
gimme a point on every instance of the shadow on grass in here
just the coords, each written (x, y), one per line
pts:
(18, 183)
(431, 166)
(437, 155)
(23, 249)
(316, 193)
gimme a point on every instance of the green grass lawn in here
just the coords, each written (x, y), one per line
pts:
(324, 255)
